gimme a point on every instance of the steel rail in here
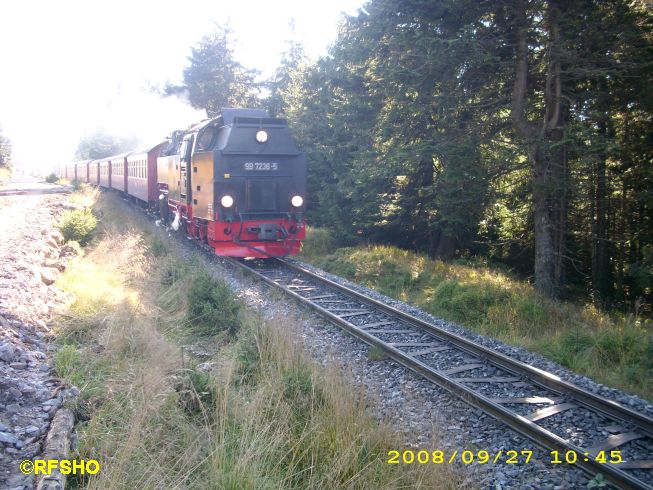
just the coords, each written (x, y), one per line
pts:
(545, 378)
(515, 421)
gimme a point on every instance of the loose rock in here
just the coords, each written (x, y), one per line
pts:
(29, 265)
(47, 276)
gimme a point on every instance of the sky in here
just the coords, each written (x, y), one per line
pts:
(70, 67)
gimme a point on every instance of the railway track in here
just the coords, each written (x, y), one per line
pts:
(579, 427)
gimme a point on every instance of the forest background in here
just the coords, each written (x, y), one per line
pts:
(519, 131)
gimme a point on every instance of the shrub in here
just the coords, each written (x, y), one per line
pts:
(173, 271)
(78, 225)
(573, 343)
(67, 361)
(626, 345)
(529, 311)
(52, 178)
(157, 248)
(319, 242)
(467, 302)
(212, 307)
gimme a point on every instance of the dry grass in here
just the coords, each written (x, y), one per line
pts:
(613, 349)
(290, 424)
(266, 418)
(86, 195)
(123, 363)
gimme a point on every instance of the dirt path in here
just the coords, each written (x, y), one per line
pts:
(27, 185)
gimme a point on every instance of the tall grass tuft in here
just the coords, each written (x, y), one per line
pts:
(296, 425)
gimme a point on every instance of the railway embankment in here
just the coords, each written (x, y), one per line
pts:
(429, 419)
(615, 349)
(191, 376)
(276, 396)
(32, 257)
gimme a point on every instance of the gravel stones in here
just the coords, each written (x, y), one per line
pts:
(7, 352)
(30, 261)
(7, 438)
(67, 251)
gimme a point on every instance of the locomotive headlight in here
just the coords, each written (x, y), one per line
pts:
(227, 201)
(261, 136)
(297, 201)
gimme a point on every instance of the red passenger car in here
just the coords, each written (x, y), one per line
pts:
(118, 172)
(71, 172)
(141, 173)
(82, 170)
(94, 172)
(105, 172)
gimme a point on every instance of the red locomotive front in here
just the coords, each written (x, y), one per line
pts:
(238, 182)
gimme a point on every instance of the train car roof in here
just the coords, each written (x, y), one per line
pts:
(112, 157)
(120, 155)
(147, 147)
(228, 115)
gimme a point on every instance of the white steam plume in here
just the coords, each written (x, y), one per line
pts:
(146, 116)
(42, 141)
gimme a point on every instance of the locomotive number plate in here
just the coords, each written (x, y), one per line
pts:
(269, 166)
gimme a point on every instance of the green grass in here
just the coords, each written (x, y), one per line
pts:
(613, 349)
(211, 306)
(376, 354)
(78, 225)
(266, 417)
(157, 248)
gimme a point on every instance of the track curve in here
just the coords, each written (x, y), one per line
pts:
(529, 400)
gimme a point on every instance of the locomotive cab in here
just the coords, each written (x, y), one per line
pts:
(238, 182)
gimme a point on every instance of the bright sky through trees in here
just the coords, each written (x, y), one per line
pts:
(72, 66)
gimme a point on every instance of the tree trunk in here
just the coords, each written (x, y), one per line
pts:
(621, 234)
(560, 175)
(544, 235)
(601, 273)
(542, 154)
(622, 219)
(446, 247)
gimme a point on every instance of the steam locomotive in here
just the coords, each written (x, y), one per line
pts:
(236, 181)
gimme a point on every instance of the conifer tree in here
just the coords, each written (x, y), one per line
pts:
(214, 79)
